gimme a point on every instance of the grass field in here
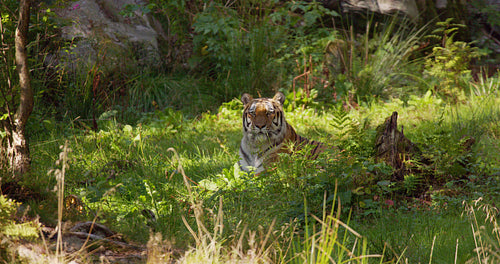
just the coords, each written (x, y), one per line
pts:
(126, 168)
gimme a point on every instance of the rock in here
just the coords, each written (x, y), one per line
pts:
(34, 253)
(101, 36)
(407, 7)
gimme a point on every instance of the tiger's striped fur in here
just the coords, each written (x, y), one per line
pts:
(266, 133)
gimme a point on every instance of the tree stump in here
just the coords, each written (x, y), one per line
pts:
(393, 147)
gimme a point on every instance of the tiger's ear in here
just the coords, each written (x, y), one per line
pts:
(280, 97)
(246, 98)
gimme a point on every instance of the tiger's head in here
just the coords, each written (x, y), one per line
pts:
(263, 119)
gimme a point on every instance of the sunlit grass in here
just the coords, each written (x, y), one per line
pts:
(123, 169)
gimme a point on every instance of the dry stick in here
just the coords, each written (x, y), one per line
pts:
(477, 234)
(310, 78)
(43, 240)
(89, 234)
(262, 251)
(219, 222)
(85, 235)
(352, 51)
(475, 242)
(432, 249)
(60, 195)
(306, 75)
(196, 210)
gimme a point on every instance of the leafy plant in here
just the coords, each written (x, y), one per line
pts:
(10, 231)
(301, 99)
(449, 62)
(411, 182)
(375, 65)
(217, 31)
(341, 121)
(229, 179)
(490, 11)
(485, 86)
(302, 54)
(231, 108)
(130, 9)
(232, 52)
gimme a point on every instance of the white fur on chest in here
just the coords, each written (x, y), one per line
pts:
(257, 151)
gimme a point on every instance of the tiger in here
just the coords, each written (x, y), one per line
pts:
(267, 133)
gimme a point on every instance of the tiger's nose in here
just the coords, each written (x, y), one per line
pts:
(260, 126)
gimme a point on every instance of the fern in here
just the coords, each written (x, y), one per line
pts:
(341, 121)
(449, 59)
(411, 183)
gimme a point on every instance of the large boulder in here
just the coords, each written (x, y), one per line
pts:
(407, 7)
(100, 35)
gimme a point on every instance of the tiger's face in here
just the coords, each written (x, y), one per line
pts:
(263, 118)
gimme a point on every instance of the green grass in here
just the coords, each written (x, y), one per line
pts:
(414, 234)
(124, 169)
(343, 207)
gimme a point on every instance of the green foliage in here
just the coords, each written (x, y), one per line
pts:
(176, 18)
(449, 62)
(375, 65)
(461, 139)
(301, 99)
(305, 37)
(485, 86)
(341, 122)
(229, 179)
(217, 28)
(231, 109)
(488, 10)
(9, 208)
(130, 9)
(123, 171)
(313, 14)
(150, 92)
(10, 230)
(235, 56)
(411, 182)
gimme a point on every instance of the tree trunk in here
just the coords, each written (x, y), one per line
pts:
(17, 147)
(393, 147)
